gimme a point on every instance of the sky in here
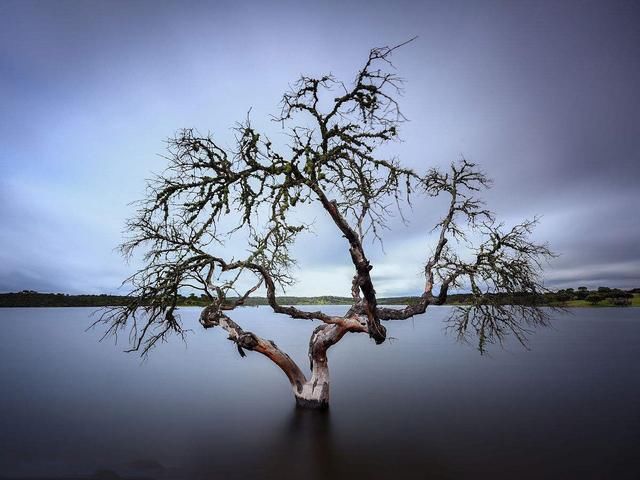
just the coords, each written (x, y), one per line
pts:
(543, 95)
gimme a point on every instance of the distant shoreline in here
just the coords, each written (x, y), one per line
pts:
(554, 299)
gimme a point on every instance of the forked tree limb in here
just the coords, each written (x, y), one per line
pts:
(210, 196)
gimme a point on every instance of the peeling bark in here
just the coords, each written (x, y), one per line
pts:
(212, 317)
(309, 393)
(315, 393)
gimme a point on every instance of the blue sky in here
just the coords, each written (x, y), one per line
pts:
(542, 94)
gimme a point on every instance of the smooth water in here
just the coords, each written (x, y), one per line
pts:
(419, 406)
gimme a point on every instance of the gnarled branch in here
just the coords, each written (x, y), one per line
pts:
(209, 197)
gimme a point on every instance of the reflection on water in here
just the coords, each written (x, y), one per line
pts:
(420, 406)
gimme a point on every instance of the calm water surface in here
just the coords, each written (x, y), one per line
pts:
(419, 406)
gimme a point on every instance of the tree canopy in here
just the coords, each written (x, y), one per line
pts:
(209, 196)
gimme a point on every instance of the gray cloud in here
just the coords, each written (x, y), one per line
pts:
(542, 94)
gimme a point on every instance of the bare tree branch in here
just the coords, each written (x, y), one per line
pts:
(209, 197)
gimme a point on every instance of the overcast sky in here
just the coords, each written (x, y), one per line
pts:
(544, 95)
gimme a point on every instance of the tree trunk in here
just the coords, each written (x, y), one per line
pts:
(312, 393)
(315, 392)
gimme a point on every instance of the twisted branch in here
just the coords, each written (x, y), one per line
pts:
(209, 196)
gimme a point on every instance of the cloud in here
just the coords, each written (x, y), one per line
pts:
(544, 97)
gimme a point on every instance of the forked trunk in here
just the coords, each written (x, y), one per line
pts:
(312, 393)
(315, 392)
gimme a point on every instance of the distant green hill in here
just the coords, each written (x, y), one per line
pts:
(29, 298)
(602, 297)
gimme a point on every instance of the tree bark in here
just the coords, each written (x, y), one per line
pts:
(213, 317)
(311, 393)
(315, 392)
(376, 330)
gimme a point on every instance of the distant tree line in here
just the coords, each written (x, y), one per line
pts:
(601, 296)
(31, 298)
(613, 296)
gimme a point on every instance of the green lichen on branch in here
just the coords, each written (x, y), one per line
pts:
(210, 196)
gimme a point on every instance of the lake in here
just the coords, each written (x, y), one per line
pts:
(420, 406)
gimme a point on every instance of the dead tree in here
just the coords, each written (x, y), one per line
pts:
(209, 195)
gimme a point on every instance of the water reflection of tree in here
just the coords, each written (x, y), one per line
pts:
(309, 447)
(303, 448)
